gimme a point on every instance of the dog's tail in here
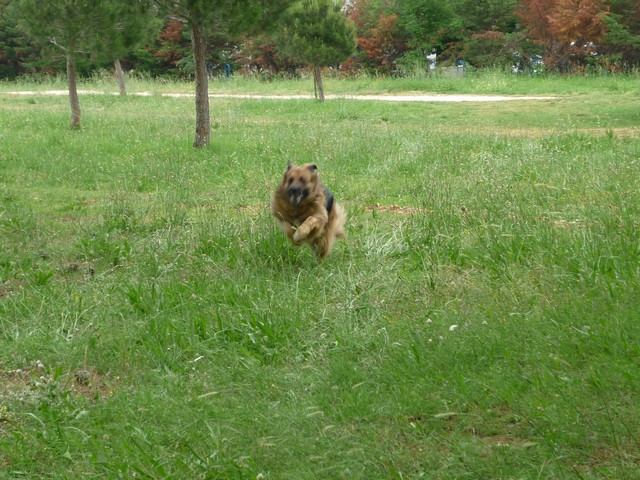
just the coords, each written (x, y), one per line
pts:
(335, 228)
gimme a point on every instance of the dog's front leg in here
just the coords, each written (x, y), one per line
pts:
(290, 231)
(312, 225)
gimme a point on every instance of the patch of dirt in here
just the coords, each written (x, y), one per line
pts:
(251, 208)
(604, 456)
(622, 132)
(90, 384)
(25, 384)
(13, 380)
(505, 441)
(397, 209)
(9, 287)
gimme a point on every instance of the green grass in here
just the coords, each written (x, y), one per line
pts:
(480, 321)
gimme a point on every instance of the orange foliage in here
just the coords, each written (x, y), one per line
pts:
(380, 39)
(379, 42)
(578, 21)
(567, 29)
(171, 48)
(535, 16)
(489, 35)
(172, 32)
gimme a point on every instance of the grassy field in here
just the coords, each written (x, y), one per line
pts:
(480, 321)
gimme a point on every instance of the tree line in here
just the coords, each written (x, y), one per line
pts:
(568, 35)
(394, 37)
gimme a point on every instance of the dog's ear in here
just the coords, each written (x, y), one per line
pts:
(314, 168)
(290, 165)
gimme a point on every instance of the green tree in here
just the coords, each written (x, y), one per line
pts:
(431, 26)
(381, 42)
(428, 22)
(220, 17)
(488, 26)
(78, 28)
(73, 26)
(622, 40)
(316, 32)
(479, 16)
(11, 42)
(133, 22)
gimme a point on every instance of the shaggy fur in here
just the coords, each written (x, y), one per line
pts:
(307, 210)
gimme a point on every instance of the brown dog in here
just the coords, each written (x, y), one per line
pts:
(307, 210)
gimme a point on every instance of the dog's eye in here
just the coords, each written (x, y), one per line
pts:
(290, 181)
(302, 181)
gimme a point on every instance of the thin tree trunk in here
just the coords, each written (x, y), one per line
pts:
(73, 91)
(317, 76)
(203, 122)
(120, 77)
(315, 86)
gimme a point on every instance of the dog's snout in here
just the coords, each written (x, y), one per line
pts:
(297, 194)
(294, 190)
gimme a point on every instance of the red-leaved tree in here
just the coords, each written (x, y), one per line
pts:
(380, 41)
(578, 25)
(174, 46)
(567, 30)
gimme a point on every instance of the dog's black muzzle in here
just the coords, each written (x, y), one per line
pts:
(297, 195)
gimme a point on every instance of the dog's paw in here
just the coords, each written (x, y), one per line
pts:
(298, 237)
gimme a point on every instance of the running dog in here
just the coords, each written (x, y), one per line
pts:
(307, 210)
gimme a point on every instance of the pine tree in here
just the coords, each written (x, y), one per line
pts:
(79, 28)
(227, 17)
(132, 23)
(73, 26)
(316, 32)
(429, 23)
(622, 40)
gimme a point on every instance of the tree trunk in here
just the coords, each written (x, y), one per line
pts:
(203, 123)
(73, 92)
(120, 77)
(317, 77)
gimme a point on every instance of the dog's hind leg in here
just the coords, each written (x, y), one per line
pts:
(335, 228)
(340, 217)
(322, 246)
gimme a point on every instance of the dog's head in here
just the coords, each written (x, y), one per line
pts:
(300, 182)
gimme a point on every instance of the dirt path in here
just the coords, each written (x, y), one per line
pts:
(385, 98)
